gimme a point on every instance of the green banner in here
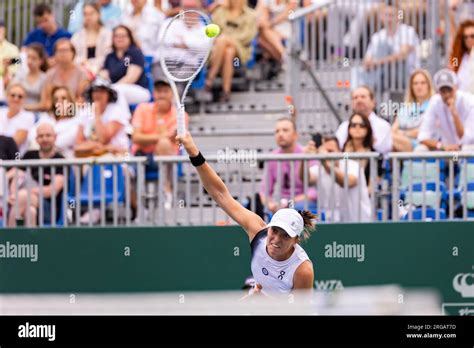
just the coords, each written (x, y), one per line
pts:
(424, 255)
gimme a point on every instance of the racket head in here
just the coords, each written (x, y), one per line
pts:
(184, 46)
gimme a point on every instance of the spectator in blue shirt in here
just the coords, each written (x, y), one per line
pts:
(110, 15)
(125, 67)
(48, 31)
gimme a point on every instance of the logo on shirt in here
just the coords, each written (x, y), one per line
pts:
(282, 273)
(264, 271)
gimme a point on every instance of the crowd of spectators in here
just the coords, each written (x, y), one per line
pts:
(81, 81)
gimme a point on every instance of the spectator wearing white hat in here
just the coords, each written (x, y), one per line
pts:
(453, 110)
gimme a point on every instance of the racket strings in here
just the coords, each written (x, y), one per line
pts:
(185, 45)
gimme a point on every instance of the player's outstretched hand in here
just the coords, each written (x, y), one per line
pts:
(188, 143)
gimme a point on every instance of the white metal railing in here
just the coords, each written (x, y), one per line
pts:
(98, 175)
(450, 175)
(418, 186)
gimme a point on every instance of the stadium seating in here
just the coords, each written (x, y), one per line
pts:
(417, 214)
(96, 177)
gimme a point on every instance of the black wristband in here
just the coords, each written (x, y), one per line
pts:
(198, 160)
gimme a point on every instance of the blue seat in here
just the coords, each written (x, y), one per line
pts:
(149, 73)
(96, 196)
(149, 76)
(152, 173)
(253, 55)
(200, 81)
(60, 218)
(417, 214)
(430, 194)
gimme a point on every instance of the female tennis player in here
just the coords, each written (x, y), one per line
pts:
(279, 264)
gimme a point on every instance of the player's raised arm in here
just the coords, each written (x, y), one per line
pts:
(250, 222)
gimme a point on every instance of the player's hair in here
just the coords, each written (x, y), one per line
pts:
(410, 97)
(309, 221)
(459, 46)
(39, 50)
(42, 9)
(286, 118)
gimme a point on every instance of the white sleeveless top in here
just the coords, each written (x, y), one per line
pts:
(274, 276)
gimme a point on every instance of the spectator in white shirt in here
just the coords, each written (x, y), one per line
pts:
(15, 121)
(103, 130)
(396, 42)
(145, 22)
(93, 42)
(110, 15)
(461, 60)
(363, 103)
(63, 117)
(410, 115)
(453, 110)
(337, 204)
(34, 79)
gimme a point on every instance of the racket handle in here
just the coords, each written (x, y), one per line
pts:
(180, 121)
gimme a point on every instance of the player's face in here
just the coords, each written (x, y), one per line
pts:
(361, 102)
(285, 134)
(2, 33)
(279, 244)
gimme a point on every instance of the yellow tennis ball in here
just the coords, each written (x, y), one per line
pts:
(212, 30)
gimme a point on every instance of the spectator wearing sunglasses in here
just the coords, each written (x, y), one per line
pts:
(363, 104)
(360, 139)
(339, 205)
(462, 56)
(15, 121)
(286, 137)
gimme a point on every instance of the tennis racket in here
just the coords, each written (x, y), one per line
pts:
(184, 50)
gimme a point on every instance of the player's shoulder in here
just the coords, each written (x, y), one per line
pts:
(303, 277)
(258, 238)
